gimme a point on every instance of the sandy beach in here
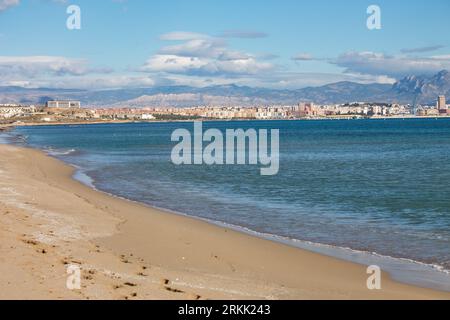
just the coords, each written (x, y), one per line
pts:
(126, 250)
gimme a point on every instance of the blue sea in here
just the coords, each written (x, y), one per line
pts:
(370, 191)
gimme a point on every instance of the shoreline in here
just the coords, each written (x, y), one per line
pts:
(405, 270)
(402, 270)
(76, 123)
(189, 257)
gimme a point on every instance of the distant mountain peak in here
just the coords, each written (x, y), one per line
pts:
(425, 88)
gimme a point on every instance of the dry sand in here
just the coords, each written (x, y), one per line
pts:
(130, 251)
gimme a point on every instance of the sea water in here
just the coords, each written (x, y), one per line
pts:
(362, 190)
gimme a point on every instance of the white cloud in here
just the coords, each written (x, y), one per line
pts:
(441, 57)
(173, 63)
(6, 4)
(196, 48)
(200, 60)
(53, 71)
(87, 82)
(296, 80)
(303, 57)
(200, 54)
(395, 66)
(97, 82)
(205, 66)
(276, 80)
(32, 66)
(422, 49)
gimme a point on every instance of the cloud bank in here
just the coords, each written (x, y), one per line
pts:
(395, 66)
(202, 55)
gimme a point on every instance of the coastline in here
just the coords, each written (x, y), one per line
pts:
(96, 122)
(403, 270)
(128, 250)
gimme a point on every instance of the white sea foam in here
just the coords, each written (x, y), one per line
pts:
(62, 152)
(82, 177)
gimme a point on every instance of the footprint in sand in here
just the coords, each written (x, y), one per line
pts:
(173, 290)
(166, 282)
(32, 242)
(130, 284)
(124, 259)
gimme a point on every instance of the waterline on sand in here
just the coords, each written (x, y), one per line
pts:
(404, 270)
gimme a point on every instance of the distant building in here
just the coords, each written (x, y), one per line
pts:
(306, 109)
(11, 111)
(63, 104)
(441, 104)
(421, 112)
(146, 116)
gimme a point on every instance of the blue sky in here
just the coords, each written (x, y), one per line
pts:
(268, 43)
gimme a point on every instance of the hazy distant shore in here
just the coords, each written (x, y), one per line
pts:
(62, 123)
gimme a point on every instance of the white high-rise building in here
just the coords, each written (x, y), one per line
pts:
(63, 104)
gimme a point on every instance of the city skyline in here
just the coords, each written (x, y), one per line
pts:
(141, 44)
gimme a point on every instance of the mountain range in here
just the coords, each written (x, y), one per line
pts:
(409, 90)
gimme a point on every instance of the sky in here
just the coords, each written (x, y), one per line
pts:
(283, 44)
